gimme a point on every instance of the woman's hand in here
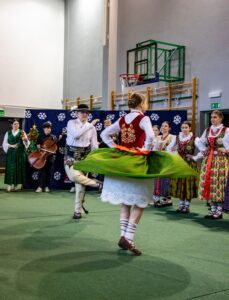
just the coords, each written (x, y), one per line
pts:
(222, 150)
(95, 121)
(13, 146)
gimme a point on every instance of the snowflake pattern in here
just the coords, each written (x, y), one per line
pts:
(154, 117)
(61, 150)
(28, 114)
(177, 119)
(35, 176)
(122, 113)
(73, 114)
(90, 117)
(61, 117)
(110, 117)
(42, 116)
(57, 175)
(99, 126)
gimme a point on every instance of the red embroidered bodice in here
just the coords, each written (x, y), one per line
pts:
(132, 136)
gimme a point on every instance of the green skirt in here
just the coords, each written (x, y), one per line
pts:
(114, 162)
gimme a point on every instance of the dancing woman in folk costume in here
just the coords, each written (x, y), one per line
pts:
(185, 188)
(129, 169)
(14, 144)
(214, 167)
(165, 142)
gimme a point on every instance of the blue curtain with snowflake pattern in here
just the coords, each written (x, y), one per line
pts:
(59, 119)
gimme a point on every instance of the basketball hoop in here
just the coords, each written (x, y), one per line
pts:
(128, 80)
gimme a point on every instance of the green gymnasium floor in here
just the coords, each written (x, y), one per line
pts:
(44, 254)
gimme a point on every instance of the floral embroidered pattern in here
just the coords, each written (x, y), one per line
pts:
(128, 134)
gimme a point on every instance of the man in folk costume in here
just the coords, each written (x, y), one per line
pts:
(81, 139)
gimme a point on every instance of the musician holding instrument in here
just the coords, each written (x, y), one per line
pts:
(14, 145)
(81, 139)
(46, 144)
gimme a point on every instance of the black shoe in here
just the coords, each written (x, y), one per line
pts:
(217, 216)
(100, 186)
(77, 215)
(209, 216)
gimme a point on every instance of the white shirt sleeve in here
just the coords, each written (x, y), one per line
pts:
(107, 132)
(146, 125)
(5, 144)
(201, 142)
(198, 156)
(226, 140)
(156, 145)
(94, 141)
(171, 145)
(76, 131)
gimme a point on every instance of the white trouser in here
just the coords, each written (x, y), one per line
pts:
(81, 181)
(79, 196)
(79, 177)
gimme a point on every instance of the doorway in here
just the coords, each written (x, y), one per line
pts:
(205, 119)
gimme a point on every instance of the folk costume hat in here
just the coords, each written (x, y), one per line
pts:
(81, 107)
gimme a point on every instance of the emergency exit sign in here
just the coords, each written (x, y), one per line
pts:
(2, 113)
(215, 105)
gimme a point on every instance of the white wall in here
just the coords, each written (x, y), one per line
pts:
(83, 48)
(201, 25)
(32, 52)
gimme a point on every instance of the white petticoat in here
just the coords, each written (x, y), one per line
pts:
(129, 191)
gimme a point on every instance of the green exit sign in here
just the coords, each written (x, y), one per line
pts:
(215, 105)
(2, 113)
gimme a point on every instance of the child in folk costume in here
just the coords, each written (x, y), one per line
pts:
(185, 188)
(226, 197)
(129, 169)
(214, 167)
(165, 142)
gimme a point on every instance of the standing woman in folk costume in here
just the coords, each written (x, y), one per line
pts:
(129, 169)
(14, 144)
(156, 130)
(226, 196)
(185, 188)
(165, 142)
(214, 167)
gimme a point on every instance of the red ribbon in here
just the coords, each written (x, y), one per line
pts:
(134, 151)
(207, 182)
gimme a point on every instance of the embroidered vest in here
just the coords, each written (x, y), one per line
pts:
(132, 136)
(187, 147)
(217, 141)
(164, 143)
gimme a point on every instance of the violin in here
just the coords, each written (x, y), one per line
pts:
(38, 159)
